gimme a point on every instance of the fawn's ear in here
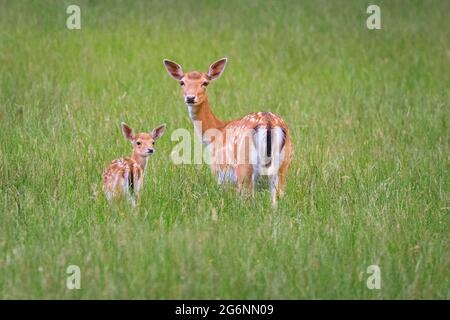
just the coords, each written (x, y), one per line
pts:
(127, 132)
(174, 69)
(158, 131)
(216, 69)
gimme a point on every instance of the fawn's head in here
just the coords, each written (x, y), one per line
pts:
(194, 83)
(143, 143)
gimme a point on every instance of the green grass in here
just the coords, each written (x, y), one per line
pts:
(369, 182)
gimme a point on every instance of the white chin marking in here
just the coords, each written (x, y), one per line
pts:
(192, 109)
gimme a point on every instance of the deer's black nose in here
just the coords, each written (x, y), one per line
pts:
(150, 151)
(190, 99)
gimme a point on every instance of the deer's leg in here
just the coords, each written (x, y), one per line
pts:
(107, 192)
(253, 182)
(282, 174)
(139, 181)
(220, 178)
(274, 185)
(132, 201)
(130, 196)
(244, 177)
(218, 173)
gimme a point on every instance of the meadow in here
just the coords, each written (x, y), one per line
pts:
(369, 184)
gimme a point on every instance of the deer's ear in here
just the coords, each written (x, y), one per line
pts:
(216, 69)
(174, 69)
(158, 131)
(127, 132)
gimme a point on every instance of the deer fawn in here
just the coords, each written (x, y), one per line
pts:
(241, 150)
(125, 176)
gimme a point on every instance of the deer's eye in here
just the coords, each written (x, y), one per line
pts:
(153, 143)
(181, 83)
(205, 84)
(138, 143)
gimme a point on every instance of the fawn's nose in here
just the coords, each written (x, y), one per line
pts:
(150, 151)
(189, 99)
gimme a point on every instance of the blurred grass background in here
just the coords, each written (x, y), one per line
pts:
(369, 183)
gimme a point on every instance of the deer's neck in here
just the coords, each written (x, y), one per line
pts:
(142, 161)
(203, 118)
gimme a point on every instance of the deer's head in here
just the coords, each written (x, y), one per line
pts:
(193, 84)
(143, 143)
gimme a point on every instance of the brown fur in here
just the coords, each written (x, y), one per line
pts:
(194, 84)
(125, 176)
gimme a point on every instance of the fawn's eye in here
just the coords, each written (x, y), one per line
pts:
(153, 143)
(138, 143)
(181, 83)
(205, 84)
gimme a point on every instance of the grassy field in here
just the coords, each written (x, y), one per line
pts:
(369, 183)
